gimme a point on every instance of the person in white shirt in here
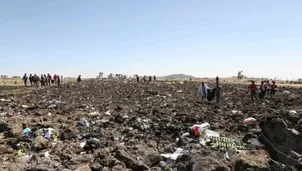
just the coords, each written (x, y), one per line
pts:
(203, 89)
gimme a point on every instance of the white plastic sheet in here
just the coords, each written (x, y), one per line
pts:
(173, 156)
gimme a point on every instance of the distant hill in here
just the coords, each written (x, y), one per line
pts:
(177, 77)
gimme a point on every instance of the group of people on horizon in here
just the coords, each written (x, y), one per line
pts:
(145, 79)
(266, 89)
(44, 80)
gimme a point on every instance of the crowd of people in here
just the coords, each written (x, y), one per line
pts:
(44, 80)
(145, 79)
(265, 89)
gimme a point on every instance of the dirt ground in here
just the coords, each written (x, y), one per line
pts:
(122, 125)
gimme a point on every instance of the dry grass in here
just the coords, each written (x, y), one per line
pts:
(11, 82)
(19, 82)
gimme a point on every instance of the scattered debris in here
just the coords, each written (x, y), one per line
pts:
(112, 125)
(175, 155)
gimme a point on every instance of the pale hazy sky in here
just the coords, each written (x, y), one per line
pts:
(156, 37)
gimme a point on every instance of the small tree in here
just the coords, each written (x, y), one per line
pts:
(110, 76)
(240, 75)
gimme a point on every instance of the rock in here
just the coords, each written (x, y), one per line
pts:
(40, 167)
(119, 119)
(92, 144)
(67, 134)
(293, 117)
(96, 167)
(83, 168)
(130, 162)
(40, 143)
(198, 163)
(278, 136)
(294, 159)
(254, 161)
(155, 169)
(4, 127)
(117, 168)
(207, 163)
(150, 157)
(152, 144)
(114, 162)
(79, 160)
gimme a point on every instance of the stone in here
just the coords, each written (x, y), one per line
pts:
(152, 144)
(92, 144)
(207, 163)
(40, 143)
(130, 162)
(4, 127)
(149, 156)
(40, 167)
(96, 167)
(155, 169)
(81, 159)
(119, 119)
(251, 160)
(83, 168)
(67, 134)
(117, 168)
(292, 117)
(199, 163)
(276, 135)
(115, 162)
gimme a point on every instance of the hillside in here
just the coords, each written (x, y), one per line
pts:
(177, 76)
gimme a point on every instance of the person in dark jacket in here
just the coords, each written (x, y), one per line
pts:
(31, 79)
(58, 80)
(79, 80)
(25, 79)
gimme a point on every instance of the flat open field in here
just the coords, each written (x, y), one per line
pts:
(121, 125)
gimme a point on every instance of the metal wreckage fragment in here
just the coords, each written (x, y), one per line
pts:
(227, 143)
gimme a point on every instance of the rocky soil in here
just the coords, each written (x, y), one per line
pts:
(115, 126)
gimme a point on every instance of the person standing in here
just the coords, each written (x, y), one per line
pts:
(58, 80)
(217, 81)
(49, 79)
(218, 90)
(42, 80)
(262, 91)
(79, 80)
(268, 88)
(154, 78)
(145, 79)
(36, 80)
(203, 89)
(31, 79)
(55, 79)
(253, 88)
(273, 89)
(137, 78)
(25, 80)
